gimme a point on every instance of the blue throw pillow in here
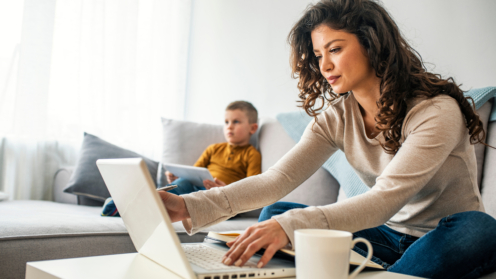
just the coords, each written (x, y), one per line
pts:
(294, 123)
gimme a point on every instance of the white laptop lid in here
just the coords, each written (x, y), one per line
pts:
(146, 220)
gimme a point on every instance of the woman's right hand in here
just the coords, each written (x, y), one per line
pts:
(175, 206)
(170, 177)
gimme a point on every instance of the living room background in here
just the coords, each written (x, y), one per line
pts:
(112, 68)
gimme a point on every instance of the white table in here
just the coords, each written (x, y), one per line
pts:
(132, 265)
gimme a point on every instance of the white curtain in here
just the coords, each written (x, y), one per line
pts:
(110, 68)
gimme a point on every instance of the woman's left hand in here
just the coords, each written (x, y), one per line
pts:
(267, 234)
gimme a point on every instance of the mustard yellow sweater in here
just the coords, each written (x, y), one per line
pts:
(230, 163)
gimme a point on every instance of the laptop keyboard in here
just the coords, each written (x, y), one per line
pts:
(210, 258)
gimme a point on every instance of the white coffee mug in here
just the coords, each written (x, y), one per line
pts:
(326, 254)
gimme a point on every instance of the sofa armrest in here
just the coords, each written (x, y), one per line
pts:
(60, 181)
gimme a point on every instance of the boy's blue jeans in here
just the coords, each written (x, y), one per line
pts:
(463, 245)
(184, 187)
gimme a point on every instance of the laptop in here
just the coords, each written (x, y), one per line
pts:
(133, 191)
(195, 175)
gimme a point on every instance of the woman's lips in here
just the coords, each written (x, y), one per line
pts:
(332, 79)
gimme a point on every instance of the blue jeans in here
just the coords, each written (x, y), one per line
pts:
(184, 187)
(463, 245)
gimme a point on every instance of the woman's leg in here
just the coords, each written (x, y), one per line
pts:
(184, 187)
(388, 245)
(278, 208)
(383, 239)
(463, 245)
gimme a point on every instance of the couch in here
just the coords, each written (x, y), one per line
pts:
(71, 226)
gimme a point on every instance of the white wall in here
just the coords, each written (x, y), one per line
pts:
(238, 49)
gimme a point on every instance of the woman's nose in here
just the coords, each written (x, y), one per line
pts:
(326, 65)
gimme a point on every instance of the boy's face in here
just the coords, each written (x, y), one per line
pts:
(237, 129)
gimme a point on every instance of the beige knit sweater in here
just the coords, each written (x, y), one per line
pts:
(432, 175)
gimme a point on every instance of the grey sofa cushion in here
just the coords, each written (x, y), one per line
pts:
(320, 189)
(86, 179)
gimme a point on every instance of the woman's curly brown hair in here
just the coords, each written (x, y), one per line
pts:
(400, 68)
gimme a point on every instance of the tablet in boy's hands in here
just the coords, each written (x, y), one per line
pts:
(195, 175)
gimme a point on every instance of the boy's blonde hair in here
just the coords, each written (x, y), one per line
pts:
(247, 108)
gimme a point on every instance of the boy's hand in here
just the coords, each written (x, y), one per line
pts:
(170, 177)
(216, 183)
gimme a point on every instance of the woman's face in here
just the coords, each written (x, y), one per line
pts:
(342, 60)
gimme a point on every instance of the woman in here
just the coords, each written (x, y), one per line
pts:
(408, 134)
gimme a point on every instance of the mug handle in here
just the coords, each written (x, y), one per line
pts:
(369, 255)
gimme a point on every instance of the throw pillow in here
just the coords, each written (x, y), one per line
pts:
(86, 179)
(294, 124)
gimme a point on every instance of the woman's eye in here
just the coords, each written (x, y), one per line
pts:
(334, 50)
(318, 57)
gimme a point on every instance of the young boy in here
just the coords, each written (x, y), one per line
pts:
(229, 161)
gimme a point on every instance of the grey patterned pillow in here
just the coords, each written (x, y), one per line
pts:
(86, 180)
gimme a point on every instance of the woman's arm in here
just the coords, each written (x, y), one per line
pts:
(434, 130)
(210, 207)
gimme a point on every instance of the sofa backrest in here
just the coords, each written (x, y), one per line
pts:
(183, 142)
(488, 184)
(480, 149)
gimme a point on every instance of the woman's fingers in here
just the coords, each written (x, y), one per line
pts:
(175, 206)
(268, 254)
(238, 249)
(233, 244)
(249, 251)
(268, 234)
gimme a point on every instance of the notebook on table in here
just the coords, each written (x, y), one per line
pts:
(151, 231)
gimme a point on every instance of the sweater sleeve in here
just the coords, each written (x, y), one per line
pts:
(305, 158)
(433, 131)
